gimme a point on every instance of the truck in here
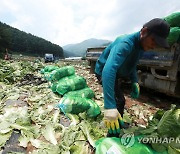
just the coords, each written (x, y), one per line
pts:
(158, 69)
(48, 58)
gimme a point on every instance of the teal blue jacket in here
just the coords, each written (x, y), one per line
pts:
(119, 59)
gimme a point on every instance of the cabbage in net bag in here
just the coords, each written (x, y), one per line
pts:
(46, 76)
(76, 105)
(124, 145)
(62, 72)
(85, 92)
(173, 19)
(94, 109)
(174, 35)
(48, 68)
(53, 86)
(70, 83)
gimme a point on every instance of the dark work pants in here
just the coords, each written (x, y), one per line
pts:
(119, 96)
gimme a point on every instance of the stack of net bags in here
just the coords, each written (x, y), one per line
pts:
(77, 96)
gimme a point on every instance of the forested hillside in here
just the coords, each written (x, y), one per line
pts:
(17, 41)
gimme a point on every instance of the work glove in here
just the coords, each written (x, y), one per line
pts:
(113, 120)
(135, 90)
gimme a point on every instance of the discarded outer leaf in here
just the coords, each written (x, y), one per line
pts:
(49, 134)
(86, 132)
(79, 147)
(50, 108)
(2, 85)
(173, 150)
(4, 138)
(46, 148)
(168, 125)
(36, 98)
(4, 125)
(36, 143)
(19, 127)
(5, 130)
(23, 141)
(13, 97)
(74, 119)
(127, 118)
(55, 116)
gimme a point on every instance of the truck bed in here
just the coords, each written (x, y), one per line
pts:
(158, 69)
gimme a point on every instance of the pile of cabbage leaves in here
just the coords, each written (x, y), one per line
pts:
(163, 131)
(30, 110)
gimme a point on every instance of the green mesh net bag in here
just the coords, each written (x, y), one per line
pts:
(85, 92)
(70, 83)
(48, 68)
(62, 72)
(115, 145)
(174, 35)
(94, 109)
(76, 105)
(53, 86)
(173, 19)
(46, 75)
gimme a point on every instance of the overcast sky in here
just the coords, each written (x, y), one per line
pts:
(71, 21)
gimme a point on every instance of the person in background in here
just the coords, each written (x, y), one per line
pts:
(119, 60)
(7, 56)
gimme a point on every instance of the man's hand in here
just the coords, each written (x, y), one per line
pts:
(135, 90)
(113, 120)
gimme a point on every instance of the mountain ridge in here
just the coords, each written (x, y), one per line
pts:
(79, 49)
